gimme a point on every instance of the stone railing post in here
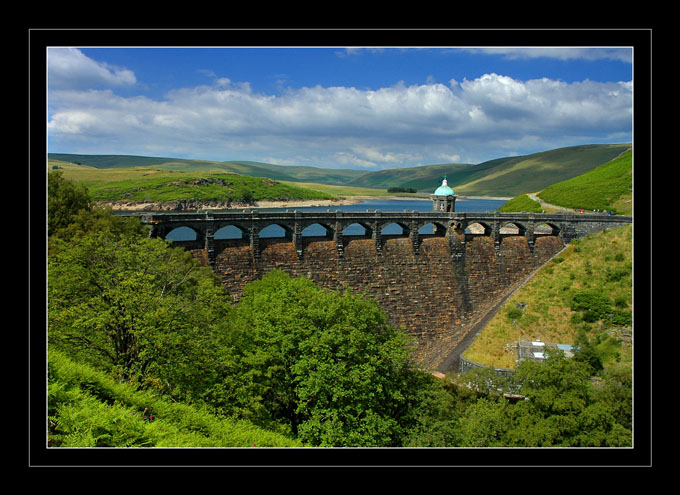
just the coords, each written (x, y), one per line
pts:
(377, 235)
(254, 236)
(297, 235)
(414, 234)
(337, 235)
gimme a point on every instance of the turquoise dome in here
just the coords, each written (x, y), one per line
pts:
(444, 189)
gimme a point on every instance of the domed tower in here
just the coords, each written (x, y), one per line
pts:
(444, 199)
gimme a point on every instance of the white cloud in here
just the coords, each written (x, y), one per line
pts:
(70, 68)
(622, 54)
(353, 161)
(448, 158)
(393, 126)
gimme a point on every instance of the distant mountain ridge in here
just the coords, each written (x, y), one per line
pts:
(508, 176)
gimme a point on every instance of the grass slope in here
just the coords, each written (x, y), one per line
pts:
(598, 264)
(521, 203)
(607, 187)
(248, 168)
(86, 408)
(148, 183)
(537, 171)
(507, 176)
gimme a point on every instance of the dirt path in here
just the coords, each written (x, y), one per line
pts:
(545, 205)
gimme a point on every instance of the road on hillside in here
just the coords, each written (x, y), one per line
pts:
(547, 205)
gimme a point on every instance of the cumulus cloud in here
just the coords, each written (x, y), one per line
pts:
(70, 68)
(392, 126)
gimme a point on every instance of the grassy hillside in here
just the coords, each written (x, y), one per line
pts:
(343, 191)
(251, 169)
(140, 184)
(304, 174)
(537, 171)
(579, 290)
(521, 203)
(607, 187)
(507, 176)
(420, 178)
(86, 408)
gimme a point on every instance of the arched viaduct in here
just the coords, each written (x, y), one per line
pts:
(435, 285)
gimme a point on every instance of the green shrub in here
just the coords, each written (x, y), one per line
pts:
(514, 313)
(622, 317)
(592, 303)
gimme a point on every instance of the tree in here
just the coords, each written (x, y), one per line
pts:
(586, 352)
(64, 200)
(326, 364)
(143, 311)
(561, 408)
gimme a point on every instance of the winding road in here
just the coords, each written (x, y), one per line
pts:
(547, 205)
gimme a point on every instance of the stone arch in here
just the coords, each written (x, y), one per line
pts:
(392, 228)
(547, 228)
(182, 233)
(435, 229)
(512, 228)
(355, 229)
(230, 231)
(276, 230)
(317, 230)
(478, 228)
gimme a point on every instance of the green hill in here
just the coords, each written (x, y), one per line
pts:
(537, 171)
(424, 178)
(507, 176)
(607, 187)
(152, 184)
(248, 168)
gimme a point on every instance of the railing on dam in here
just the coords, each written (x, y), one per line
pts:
(457, 226)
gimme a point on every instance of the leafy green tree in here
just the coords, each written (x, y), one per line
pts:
(438, 407)
(484, 424)
(586, 352)
(137, 308)
(326, 364)
(98, 219)
(561, 408)
(64, 200)
(557, 385)
(616, 391)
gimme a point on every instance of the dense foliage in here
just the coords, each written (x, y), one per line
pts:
(65, 200)
(325, 363)
(135, 323)
(88, 408)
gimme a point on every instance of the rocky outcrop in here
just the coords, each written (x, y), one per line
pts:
(177, 205)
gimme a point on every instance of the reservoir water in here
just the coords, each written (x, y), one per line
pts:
(462, 205)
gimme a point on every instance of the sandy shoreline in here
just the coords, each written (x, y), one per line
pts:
(178, 206)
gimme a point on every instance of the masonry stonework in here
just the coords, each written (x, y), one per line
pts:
(433, 296)
(436, 287)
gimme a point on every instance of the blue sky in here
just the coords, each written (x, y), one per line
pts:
(370, 108)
